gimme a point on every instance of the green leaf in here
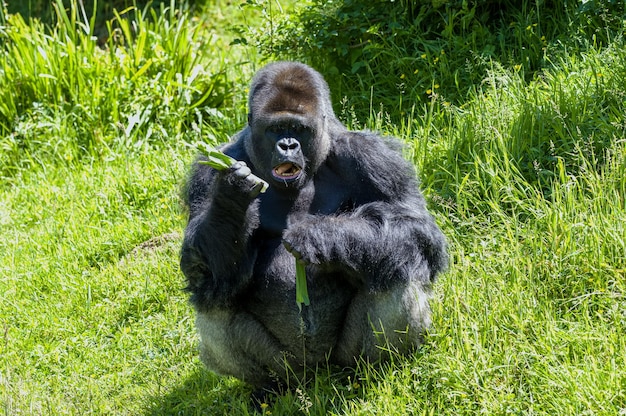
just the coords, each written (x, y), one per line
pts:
(220, 161)
(302, 293)
(217, 160)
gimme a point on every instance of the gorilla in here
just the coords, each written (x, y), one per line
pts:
(345, 203)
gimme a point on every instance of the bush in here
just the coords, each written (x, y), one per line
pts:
(402, 52)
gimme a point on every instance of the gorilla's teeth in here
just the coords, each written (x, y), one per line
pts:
(286, 169)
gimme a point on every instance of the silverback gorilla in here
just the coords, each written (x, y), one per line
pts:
(345, 203)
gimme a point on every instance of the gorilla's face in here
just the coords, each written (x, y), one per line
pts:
(288, 138)
(283, 141)
(288, 160)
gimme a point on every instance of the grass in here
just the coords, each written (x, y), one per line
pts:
(150, 81)
(527, 178)
(80, 289)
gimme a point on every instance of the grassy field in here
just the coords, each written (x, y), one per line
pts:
(526, 174)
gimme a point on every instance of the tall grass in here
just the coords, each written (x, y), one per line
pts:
(150, 80)
(564, 124)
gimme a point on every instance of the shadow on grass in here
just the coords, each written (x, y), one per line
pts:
(327, 389)
(202, 393)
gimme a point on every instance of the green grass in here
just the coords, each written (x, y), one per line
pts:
(151, 81)
(80, 289)
(527, 177)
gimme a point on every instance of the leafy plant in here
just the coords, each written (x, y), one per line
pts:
(220, 161)
(399, 53)
(146, 86)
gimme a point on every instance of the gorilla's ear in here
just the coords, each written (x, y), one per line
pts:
(249, 118)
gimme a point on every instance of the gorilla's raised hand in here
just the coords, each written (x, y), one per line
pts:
(239, 178)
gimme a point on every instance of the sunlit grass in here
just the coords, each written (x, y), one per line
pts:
(149, 82)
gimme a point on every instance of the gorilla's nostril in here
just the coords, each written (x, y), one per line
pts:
(288, 144)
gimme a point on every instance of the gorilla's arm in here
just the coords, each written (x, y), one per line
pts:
(217, 257)
(388, 238)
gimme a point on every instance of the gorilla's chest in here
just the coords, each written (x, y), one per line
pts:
(325, 195)
(273, 214)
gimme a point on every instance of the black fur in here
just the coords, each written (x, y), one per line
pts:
(353, 214)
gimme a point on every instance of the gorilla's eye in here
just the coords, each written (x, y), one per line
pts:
(273, 129)
(291, 128)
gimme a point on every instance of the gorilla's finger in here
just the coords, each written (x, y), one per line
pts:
(292, 250)
(238, 164)
(256, 189)
(289, 247)
(241, 170)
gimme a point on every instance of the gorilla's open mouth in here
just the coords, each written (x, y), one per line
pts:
(286, 171)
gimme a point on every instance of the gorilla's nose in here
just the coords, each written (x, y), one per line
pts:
(288, 146)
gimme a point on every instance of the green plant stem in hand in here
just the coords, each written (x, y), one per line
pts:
(302, 293)
(220, 161)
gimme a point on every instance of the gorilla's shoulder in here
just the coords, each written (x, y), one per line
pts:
(363, 142)
(376, 157)
(371, 148)
(235, 148)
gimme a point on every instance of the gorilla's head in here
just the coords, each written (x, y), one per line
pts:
(289, 120)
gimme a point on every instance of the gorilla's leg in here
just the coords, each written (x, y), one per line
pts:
(380, 324)
(234, 343)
